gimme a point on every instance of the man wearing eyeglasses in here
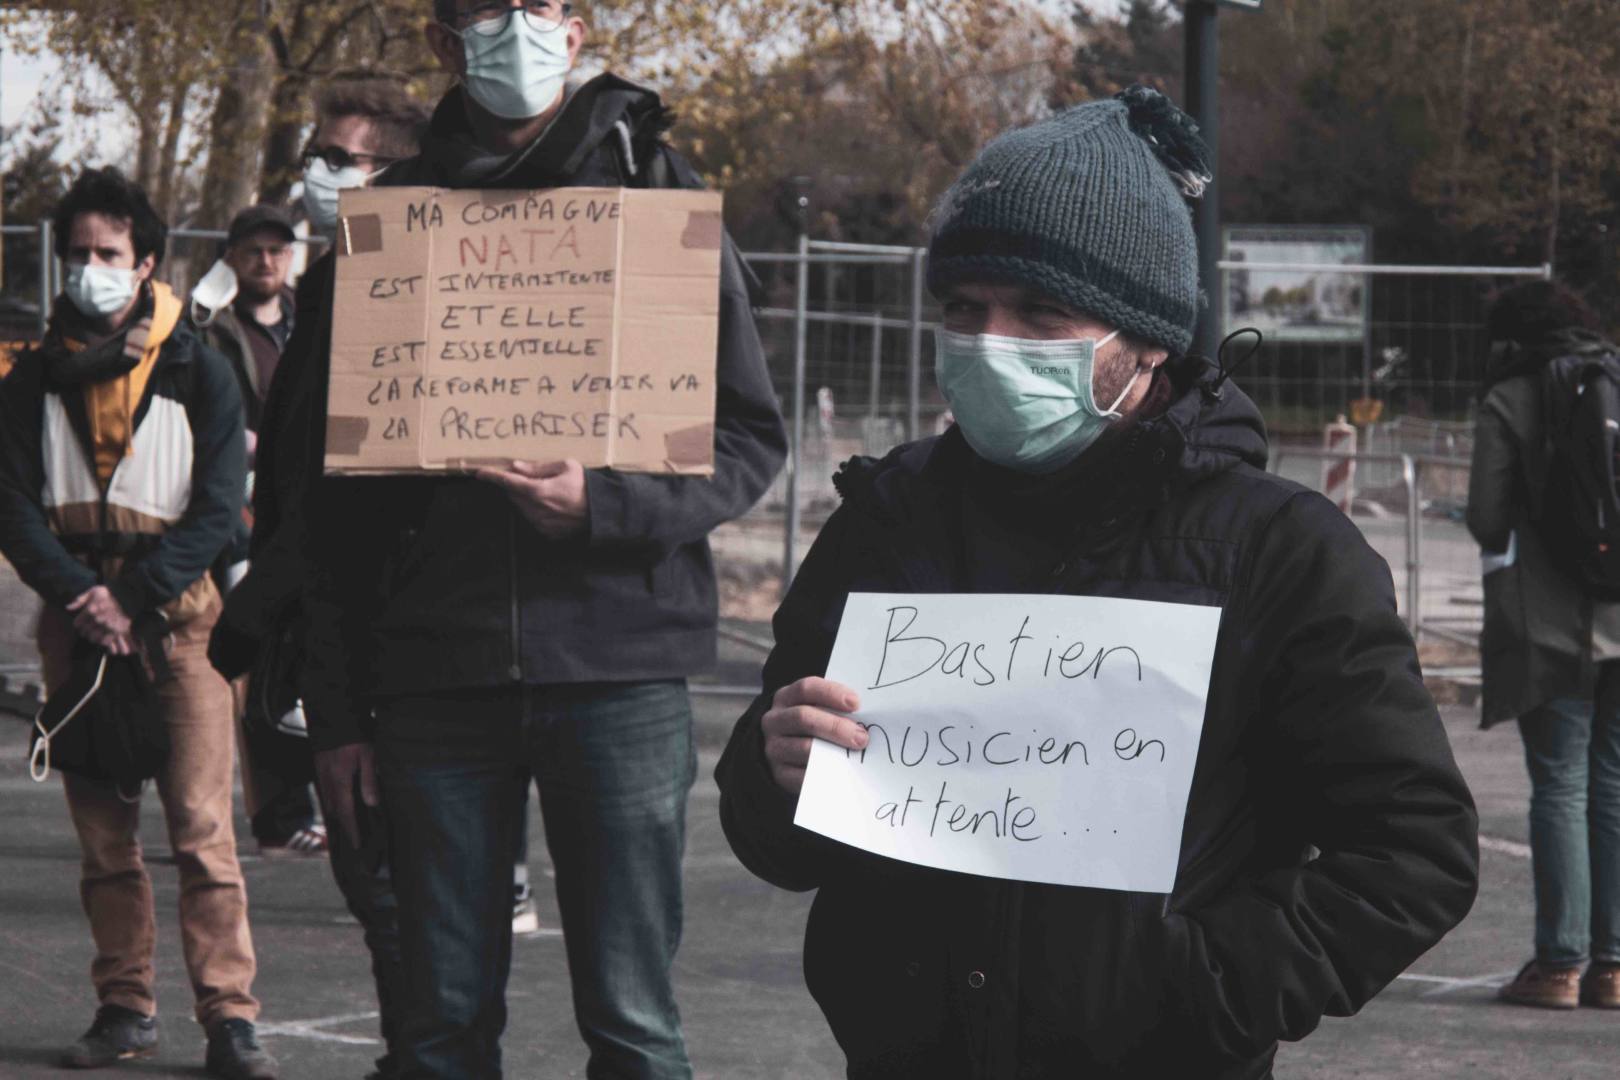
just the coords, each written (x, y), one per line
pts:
(467, 632)
(253, 330)
(365, 121)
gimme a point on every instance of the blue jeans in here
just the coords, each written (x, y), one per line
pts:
(1573, 751)
(614, 764)
(369, 894)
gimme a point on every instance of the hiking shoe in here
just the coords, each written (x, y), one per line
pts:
(117, 1034)
(1544, 987)
(310, 840)
(234, 1053)
(1601, 985)
(525, 919)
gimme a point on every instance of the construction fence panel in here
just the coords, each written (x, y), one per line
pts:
(1419, 354)
(848, 329)
(1411, 508)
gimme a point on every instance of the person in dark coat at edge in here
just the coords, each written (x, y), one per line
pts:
(467, 632)
(1550, 658)
(1329, 839)
(364, 121)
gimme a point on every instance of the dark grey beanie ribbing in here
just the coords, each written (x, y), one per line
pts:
(1084, 207)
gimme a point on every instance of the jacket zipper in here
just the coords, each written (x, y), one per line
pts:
(515, 671)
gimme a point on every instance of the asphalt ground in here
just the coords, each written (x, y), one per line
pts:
(738, 976)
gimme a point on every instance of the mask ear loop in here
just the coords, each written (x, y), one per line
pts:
(1112, 412)
(1224, 370)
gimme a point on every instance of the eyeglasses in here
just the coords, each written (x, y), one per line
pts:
(489, 16)
(273, 252)
(338, 159)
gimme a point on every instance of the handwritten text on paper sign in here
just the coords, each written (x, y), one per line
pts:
(1036, 738)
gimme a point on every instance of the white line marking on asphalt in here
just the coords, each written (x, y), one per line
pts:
(1449, 984)
(311, 1029)
(1505, 847)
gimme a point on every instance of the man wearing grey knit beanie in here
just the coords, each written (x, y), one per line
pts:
(1328, 839)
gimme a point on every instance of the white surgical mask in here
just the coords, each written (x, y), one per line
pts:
(1021, 403)
(100, 291)
(515, 69)
(321, 186)
(214, 293)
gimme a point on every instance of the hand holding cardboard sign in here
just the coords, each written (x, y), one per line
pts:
(798, 716)
(551, 496)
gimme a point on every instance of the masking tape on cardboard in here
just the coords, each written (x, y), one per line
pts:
(362, 234)
(704, 230)
(690, 446)
(346, 434)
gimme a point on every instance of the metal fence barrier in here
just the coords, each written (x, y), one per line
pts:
(191, 252)
(849, 372)
(1416, 524)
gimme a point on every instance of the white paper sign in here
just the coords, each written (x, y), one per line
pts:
(1037, 738)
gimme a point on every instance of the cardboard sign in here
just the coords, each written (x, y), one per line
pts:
(482, 327)
(1036, 738)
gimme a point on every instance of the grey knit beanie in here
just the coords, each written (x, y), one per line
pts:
(1088, 206)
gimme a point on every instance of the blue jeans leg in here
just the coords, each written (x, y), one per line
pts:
(1556, 740)
(451, 777)
(615, 764)
(1603, 813)
(369, 894)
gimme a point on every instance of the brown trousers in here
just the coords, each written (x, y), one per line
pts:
(195, 789)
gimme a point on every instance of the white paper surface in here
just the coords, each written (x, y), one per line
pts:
(1037, 738)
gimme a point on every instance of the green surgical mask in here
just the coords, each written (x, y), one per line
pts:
(1021, 403)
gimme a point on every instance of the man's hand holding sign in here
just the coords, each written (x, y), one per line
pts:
(1037, 738)
(801, 713)
(551, 496)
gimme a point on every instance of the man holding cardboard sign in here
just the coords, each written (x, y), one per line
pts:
(1105, 748)
(539, 389)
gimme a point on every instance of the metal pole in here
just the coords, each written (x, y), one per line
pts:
(914, 362)
(875, 390)
(1414, 541)
(1203, 64)
(800, 331)
(46, 255)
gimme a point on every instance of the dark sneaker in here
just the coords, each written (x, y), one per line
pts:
(1544, 987)
(117, 1034)
(234, 1053)
(1601, 985)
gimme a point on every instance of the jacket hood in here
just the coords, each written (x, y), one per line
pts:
(451, 158)
(1215, 428)
(1207, 430)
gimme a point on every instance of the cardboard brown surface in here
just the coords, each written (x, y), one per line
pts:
(482, 327)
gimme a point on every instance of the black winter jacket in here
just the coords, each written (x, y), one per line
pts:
(431, 583)
(1318, 735)
(169, 510)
